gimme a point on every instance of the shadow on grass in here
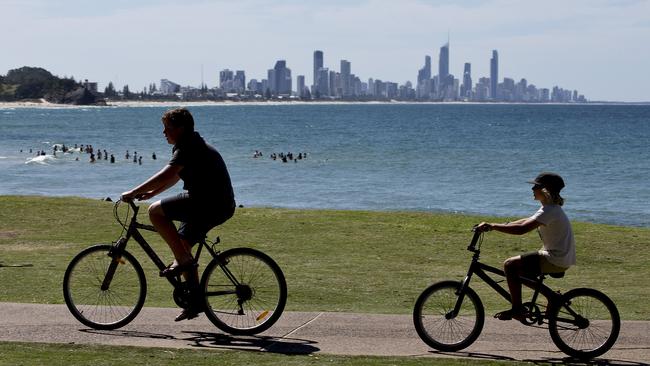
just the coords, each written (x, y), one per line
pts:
(287, 346)
(545, 360)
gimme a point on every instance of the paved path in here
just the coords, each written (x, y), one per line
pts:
(307, 333)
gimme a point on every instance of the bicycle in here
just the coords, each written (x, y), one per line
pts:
(583, 323)
(242, 290)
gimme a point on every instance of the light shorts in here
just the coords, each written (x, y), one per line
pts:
(534, 264)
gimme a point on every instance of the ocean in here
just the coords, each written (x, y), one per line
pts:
(459, 158)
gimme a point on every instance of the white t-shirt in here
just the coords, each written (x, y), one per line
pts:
(557, 236)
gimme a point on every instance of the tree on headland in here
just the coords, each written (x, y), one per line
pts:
(126, 93)
(110, 91)
(35, 83)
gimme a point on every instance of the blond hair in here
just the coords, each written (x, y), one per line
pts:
(553, 197)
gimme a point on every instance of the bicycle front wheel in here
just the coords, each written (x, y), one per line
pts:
(245, 291)
(100, 302)
(436, 323)
(586, 324)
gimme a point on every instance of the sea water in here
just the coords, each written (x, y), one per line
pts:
(460, 158)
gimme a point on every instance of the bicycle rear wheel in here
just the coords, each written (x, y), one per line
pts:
(245, 291)
(109, 308)
(586, 324)
(435, 323)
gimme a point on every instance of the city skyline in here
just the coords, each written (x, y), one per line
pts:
(330, 84)
(592, 46)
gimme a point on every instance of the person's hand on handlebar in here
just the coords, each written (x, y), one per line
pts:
(129, 196)
(484, 227)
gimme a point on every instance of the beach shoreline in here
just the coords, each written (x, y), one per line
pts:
(206, 103)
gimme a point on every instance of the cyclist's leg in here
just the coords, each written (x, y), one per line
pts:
(162, 213)
(192, 231)
(527, 264)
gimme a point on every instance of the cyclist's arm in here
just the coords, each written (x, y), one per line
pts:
(159, 182)
(519, 227)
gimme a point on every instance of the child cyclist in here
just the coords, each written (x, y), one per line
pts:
(558, 251)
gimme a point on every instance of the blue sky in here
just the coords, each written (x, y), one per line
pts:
(599, 47)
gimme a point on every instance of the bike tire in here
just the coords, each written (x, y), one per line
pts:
(439, 332)
(262, 291)
(596, 330)
(104, 309)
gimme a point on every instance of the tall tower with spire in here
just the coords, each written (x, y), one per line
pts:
(494, 74)
(445, 81)
(443, 65)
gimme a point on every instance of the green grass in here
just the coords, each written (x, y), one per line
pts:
(353, 261)
(64, 354)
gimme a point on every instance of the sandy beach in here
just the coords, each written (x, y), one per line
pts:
(135, 104)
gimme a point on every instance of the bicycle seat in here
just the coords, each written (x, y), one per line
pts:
(556, 274)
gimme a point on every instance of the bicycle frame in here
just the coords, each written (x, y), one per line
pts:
(482, 271)
(133, 232)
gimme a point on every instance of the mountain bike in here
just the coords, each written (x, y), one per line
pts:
(242, 290)
(449, 315)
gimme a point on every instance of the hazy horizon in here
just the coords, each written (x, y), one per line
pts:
(595, 47)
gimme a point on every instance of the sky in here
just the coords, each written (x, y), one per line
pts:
(599, 47)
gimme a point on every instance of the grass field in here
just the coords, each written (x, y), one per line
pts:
(374, 262)
(12, 354)
(353, 261)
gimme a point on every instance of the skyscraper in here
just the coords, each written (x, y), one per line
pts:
(300, 86)
(444, 78)
(318, 64)
(225, 76)
(423, 88)
(282, 78)
(425, 72)
(494, 74)
(239, 82)
(443, 66)
(345, 78)
(466, 88)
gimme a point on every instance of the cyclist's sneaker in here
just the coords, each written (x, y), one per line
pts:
(175, 270)
(187, 314)
(511, 314)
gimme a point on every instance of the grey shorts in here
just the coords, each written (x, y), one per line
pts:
(197, 215)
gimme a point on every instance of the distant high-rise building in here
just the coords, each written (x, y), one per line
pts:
(282, 78)
(423, 87)
(300, 85)
(239, 81)
(494, 74)
(334, 84)
(322, 88)
(446, 80)
(271, 81)
(345, 78)
(466, 87)
(443, 66)
(318, 64)
(425, 72)
(226, 78)
(168, 87)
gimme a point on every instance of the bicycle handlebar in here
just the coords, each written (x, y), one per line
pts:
(475, 238)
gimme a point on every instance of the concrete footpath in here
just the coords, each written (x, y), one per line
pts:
(309, 333)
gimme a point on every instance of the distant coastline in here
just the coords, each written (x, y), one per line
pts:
(135, 104)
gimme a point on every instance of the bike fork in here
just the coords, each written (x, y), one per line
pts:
(460, 292)
(115, 254)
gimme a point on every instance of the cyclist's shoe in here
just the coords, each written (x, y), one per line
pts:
(187, 314)
(512, 314)
(175, 270)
